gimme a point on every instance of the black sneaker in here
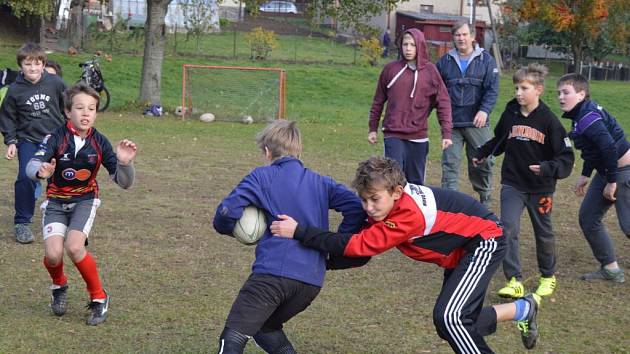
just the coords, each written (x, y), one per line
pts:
(528, 327)
(59, 300)
(98, 311)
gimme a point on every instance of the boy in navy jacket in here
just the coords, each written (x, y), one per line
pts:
(286, 276)
(433, 225)
(605, 149)
(32, 108)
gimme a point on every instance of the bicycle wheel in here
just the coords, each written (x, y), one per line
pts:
(104, 99)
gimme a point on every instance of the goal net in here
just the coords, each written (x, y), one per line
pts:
(232, 93)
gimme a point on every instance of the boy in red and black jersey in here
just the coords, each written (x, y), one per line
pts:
(70, 159)
(433, 225)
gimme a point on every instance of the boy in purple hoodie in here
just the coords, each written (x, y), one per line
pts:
(412, 87)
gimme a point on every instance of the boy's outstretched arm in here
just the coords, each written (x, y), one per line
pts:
(323, 240)
(373, 240)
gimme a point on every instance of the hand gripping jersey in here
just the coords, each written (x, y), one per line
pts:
(427, 224)
(74, 178)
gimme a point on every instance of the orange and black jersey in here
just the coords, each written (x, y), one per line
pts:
(427, 224)
(74, 178)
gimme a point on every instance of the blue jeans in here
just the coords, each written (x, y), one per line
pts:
(593, 209)
(411, 156)
(25, 188)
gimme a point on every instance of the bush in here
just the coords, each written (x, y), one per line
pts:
(224, 23)
(261, 42)
(371, 50)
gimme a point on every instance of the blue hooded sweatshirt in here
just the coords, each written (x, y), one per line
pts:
(287, 187)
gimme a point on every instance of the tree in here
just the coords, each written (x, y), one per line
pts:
(353, 14)
(154, 43)
(44, 8)
(587, 25)
(200, 16)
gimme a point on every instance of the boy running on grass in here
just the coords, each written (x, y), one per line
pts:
(605, 149)
(70, 159)
(32, 109)
(286, 276)
(433, 225)
(537, 154)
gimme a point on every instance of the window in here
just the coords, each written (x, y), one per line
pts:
(446, 29)
(428, 9)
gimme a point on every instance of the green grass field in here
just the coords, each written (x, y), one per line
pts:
(172, 279)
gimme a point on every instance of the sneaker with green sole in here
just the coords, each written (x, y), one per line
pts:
(513, 289)
(528, 327)
(616, 276)
(546, 286)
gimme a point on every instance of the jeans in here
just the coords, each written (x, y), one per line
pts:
(412, 157)
(25, 188)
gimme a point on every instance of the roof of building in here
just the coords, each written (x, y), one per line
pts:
(434, 16)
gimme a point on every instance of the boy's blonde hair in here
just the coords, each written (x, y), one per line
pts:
(578, 81)
(533, 73)
(30, 51)
(282, 138)
(78, 88)
(378, 172)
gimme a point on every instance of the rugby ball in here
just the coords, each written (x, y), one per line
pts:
(248, 120)
(251, 226)
(207, 118)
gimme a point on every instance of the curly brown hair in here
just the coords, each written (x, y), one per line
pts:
(378, 172)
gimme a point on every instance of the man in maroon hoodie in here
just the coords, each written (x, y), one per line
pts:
(412, 87)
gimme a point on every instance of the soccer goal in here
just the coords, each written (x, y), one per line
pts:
(232, 93)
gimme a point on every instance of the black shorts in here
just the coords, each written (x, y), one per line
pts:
(266, 302)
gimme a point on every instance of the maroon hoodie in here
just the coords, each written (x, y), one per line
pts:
(411, 95)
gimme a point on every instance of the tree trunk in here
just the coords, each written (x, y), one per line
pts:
(76, 27)
(154, 43)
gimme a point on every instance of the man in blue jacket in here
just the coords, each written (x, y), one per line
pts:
(286, 276)
(472, 79)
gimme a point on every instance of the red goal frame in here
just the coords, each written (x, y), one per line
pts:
(281, 84)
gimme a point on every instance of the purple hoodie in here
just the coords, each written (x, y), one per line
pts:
(410, 96)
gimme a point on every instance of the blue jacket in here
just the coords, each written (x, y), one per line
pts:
(472, 91)
(287, 187)
(600, 138)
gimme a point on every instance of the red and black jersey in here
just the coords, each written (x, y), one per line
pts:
(427, 224)
(74, 178)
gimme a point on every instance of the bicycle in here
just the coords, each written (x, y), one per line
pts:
(93, 77)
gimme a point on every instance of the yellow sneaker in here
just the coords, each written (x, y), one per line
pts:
(513, 289)
(546, 286)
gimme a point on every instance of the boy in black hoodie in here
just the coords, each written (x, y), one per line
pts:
(537, 153)
(31, 110)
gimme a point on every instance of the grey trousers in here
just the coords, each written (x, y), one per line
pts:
(539, 208)
(481, 176)
(595, 206)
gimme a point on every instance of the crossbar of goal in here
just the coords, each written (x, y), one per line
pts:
(188, 104)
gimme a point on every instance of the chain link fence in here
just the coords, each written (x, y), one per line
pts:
(560, 63)
(299, 39)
